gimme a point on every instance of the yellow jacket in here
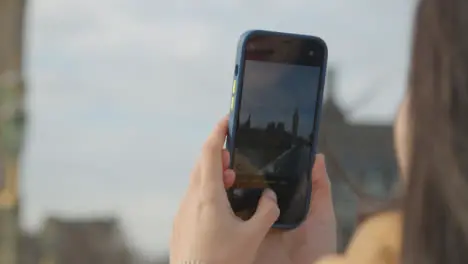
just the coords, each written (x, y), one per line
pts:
(377, 241)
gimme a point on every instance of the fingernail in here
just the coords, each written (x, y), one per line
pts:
(320, 156)
(270, 194)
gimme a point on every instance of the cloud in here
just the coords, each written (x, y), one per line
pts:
(122, 93)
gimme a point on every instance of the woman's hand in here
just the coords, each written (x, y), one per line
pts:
(315, 237)
(205, 228)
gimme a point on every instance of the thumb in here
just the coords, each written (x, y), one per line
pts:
(266, 214)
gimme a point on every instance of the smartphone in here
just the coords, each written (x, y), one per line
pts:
(274, 121)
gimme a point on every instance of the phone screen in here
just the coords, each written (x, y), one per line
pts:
(276, 124)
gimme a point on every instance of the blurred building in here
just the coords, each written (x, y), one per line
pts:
(11, 125)
(95, 241)
(160, 260)
(29, 249)
(359, 155)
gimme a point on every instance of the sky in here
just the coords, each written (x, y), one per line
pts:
(122, 94)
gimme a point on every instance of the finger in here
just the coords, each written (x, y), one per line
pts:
(321, 198)
(266, 214)
(217, 137)
(320, 179)
(229, 176)
(226, 159)
(211, 167)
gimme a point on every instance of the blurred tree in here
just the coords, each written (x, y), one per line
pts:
(11, 124)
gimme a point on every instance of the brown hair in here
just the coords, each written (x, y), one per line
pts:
(436, 199)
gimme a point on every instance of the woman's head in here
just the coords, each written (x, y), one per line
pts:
(432, 136)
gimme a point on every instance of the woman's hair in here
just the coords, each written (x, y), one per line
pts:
(436, 199)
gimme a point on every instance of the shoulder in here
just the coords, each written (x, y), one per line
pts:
(377, 240)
